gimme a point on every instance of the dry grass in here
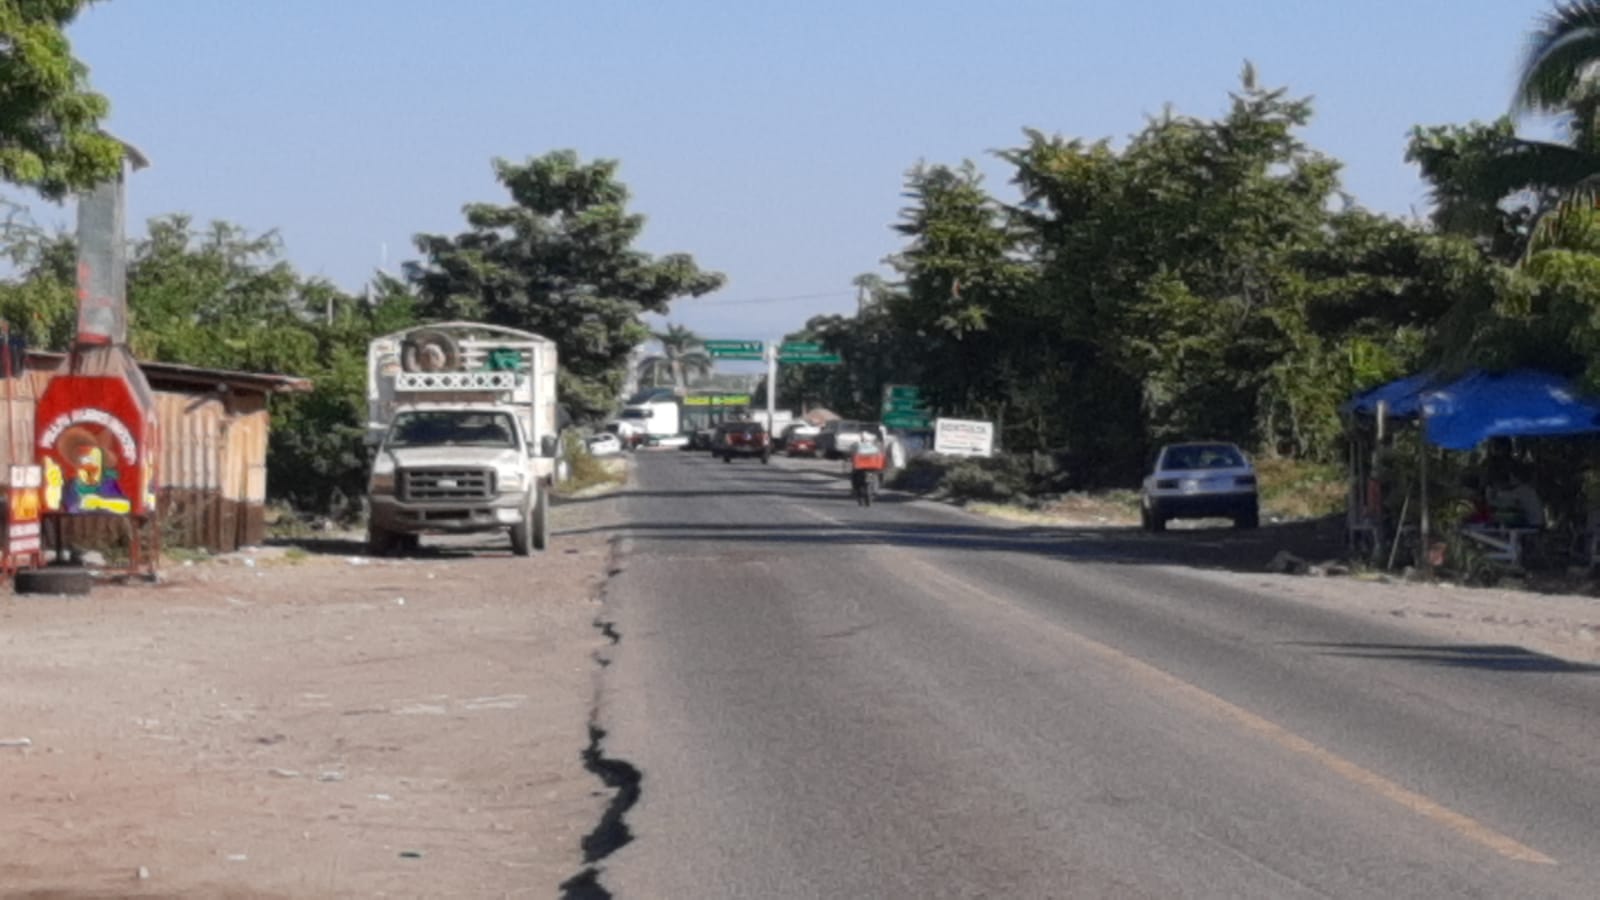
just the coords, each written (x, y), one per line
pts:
(1291, 489)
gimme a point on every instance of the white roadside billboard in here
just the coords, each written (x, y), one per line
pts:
(963, 437)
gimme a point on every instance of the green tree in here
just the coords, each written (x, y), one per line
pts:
(223, 297)
(682, 357)
(40, 303)
(1488, 182)
(559, 261)
(50, 136)
(1206, 279)
(962, 274)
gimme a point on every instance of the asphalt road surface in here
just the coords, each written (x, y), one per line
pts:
(908, 701)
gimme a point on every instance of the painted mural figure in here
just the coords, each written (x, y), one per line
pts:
(96, 489)
(97, 447)
(87, 480)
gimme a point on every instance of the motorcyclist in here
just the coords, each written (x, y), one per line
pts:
(867, 460)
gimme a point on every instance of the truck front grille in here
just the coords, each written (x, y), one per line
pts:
(446, 484)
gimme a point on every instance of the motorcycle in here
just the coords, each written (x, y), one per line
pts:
(866, 473)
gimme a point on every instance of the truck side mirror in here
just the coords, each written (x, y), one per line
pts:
(548, 445)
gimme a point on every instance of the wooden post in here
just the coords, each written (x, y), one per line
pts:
(1426, 520)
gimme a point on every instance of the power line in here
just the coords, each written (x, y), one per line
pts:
(817, 296)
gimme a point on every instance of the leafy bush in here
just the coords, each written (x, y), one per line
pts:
(1006, 477)
(969, 480)
(584, 470)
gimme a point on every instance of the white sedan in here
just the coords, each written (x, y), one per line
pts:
(1200, 481)
(604, 445)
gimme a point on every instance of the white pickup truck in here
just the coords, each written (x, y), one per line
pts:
(462, 419)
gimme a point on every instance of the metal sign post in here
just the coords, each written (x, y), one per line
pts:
(772, 387)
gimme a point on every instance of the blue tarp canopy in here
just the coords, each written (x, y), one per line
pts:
(1523, 403)
(1404, 397)
(1464, 412)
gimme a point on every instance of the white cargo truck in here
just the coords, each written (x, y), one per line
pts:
(653, 418)
(462, 419)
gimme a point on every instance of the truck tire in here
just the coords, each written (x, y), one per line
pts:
(379, 542)
(522, 535)
(62, 581)
(430, 351)
(541, 521)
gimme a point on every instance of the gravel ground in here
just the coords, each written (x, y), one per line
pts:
(307, 724)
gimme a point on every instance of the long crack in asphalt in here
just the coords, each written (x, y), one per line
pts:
(619, 776)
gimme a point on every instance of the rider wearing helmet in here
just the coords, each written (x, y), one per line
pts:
(867, 460)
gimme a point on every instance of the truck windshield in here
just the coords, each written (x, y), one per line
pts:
(455, 428)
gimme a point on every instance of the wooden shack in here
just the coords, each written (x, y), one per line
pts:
(212, 469)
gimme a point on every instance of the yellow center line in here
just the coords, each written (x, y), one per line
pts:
(1461, 824)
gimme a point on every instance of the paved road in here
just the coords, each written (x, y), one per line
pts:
(906, 701)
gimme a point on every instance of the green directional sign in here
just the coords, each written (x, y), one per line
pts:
(906, 420)
(817, 358)
(734, 349)
(903, 407)
(903, 398)
(800, 347)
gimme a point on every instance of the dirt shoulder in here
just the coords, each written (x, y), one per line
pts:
(1491, 624)
(317, 725)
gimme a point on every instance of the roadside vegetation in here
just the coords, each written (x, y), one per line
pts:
(587, 472)
(1204, 277)
(1208, 279)
(1033, 488)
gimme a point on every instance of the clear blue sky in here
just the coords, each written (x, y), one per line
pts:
(767, 139)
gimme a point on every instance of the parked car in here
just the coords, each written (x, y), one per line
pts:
(604, 445)
(1200, 481)
(799, 439)
(742, 439)
(840, 437)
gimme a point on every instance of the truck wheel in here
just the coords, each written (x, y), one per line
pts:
(62, 581)
(541, 521)
(379, 542)
(522, 535)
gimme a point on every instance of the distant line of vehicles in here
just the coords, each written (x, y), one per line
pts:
(660, 417)
(1187, 480)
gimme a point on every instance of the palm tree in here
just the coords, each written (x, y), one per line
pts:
(681, 358)
(1558, 66)
(1558, 75)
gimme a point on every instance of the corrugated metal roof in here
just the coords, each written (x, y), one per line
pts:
(172, 375)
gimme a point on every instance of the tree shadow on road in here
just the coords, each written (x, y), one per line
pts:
(1209, 548)
(1493, 657)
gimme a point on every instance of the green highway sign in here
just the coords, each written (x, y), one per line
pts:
(904, 400)
(734, 349)
(813, 358)
(800, 347)
(903, 407)
(906, 420)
